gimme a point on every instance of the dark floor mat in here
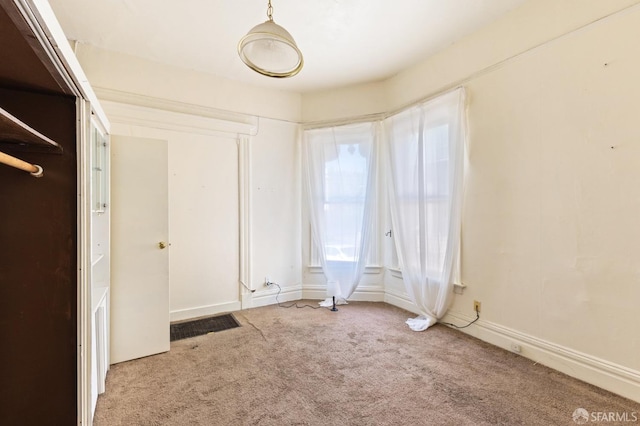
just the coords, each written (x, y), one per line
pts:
(184, 330)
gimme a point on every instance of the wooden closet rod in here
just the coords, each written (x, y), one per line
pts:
(33, 169)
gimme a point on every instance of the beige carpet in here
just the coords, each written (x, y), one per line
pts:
(358, 366)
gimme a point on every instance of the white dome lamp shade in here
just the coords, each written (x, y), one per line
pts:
(270, 50)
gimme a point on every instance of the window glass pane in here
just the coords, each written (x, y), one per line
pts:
(341, 161)
(345, 191)
(98, 171)
(435, 160)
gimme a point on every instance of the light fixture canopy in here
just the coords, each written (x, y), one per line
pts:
(270, 50)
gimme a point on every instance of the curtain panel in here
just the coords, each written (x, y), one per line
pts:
(340, 175)
(425, 147)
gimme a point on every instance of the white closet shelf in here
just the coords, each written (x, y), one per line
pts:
(16, 134)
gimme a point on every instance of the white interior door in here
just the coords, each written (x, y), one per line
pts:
(140, 266)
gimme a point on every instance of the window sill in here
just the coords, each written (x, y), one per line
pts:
(395, 272)
(369, 269)
(458, 288)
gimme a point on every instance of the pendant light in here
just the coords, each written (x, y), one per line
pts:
(270, 50)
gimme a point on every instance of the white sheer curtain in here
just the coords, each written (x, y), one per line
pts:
(425, 153)
(340, 168)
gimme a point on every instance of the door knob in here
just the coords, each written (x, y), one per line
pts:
(162, 245)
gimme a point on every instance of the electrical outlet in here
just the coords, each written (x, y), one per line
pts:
(476, 306)
(267, 281)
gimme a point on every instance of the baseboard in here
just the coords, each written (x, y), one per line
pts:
(401, 301)
(604, 374)
(203, 311)
(362, 293)
(268, 296)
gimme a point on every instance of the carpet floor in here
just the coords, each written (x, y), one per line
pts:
(358, 366)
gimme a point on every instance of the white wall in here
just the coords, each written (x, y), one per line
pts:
(549, 227)
(114, 75)
(203, 209)
(203, 223)
(551, 210)
(275, 212)
(234, 184)
(551, 240)
(533, 24)
(341, 103)
(550, 236)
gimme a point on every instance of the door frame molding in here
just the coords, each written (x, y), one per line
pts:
(244, 208)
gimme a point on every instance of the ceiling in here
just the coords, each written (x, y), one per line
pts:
(344, 42)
